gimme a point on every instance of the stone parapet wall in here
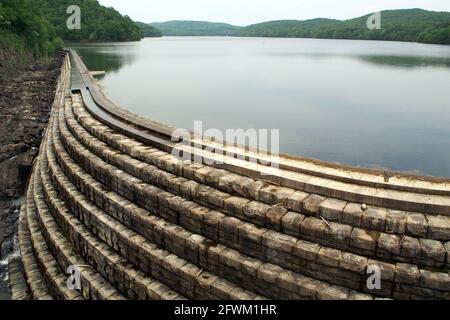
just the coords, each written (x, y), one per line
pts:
(108, 196)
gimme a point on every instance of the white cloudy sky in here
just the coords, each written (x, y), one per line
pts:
(244, 12)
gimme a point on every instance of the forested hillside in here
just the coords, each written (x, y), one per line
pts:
(415, 25)
(195, 28)
(23, 31)
(148, 30)
(98, 23)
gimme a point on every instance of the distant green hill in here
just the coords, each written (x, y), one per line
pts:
(415, 25)
(195, 28)
(148, 30)
(98, 23)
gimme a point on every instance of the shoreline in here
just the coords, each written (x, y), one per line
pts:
(25, 103)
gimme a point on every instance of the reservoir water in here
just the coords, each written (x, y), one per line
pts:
(363, 103)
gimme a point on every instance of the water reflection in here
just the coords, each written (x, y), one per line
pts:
(406, 62)
(401, 61)
(109, 57)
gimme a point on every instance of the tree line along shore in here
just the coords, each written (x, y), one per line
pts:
(35, 28)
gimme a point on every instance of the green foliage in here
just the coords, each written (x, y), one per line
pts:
(23, 30)
(98, 23)
(195, 28)
(148, 31)
(415, 25)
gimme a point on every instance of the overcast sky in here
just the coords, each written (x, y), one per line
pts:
(244, 12)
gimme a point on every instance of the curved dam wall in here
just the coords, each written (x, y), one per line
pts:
(108, 201)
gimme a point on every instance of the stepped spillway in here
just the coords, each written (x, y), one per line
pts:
(107, 196)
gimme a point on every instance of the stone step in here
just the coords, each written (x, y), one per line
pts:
(357, 240)
(35, 280)
(176, 272)
(245, 189)
(16, 279)
(129, 280)
(93, 285)
(390, 227)
(54, 276)
(409, 201)
(83, 180)
(382, 179)
(225, 262)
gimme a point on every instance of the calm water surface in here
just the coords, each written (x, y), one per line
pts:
(364, 103)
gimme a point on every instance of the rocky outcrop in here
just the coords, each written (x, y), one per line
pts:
(107, 196)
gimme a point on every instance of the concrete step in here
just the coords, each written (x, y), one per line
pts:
(88, 189)
(16, 279)
(93, 285)
(177, 273)
(334, 210)
(35, 280)
(54, 276)
(118, 270)
(394, 199)
(215, 258)
(401, 248)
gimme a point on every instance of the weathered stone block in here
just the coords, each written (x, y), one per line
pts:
(287, 281)
(235, 205)
(432, 249)
(291, 223)
(389, 244)
(202, 192)
(217, 198)
(364, 239)
(352, 214)
(353, 262)
(222, 289)
(338, 233)
(188, 188)
(374, 218)
(245, 186)
(282, 195)
(329, 257)
(278, 241)
(295, 200)
(435, 280)
(439, 227)
(330, 292)
(388, 270)
(416, 225)
(256, 212)
(274, 217)
(308, 288)
(269, 273)
(212, 178)
(226, 182)
(250, 232)
(407, 273)
(311, 204)
(266, 194)
(306, 250)
(188, 170)
(313, 227)
(395, 222)
(201, 173)
(410, 247)
(176, 183)
(332, 209)
(229, 228)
